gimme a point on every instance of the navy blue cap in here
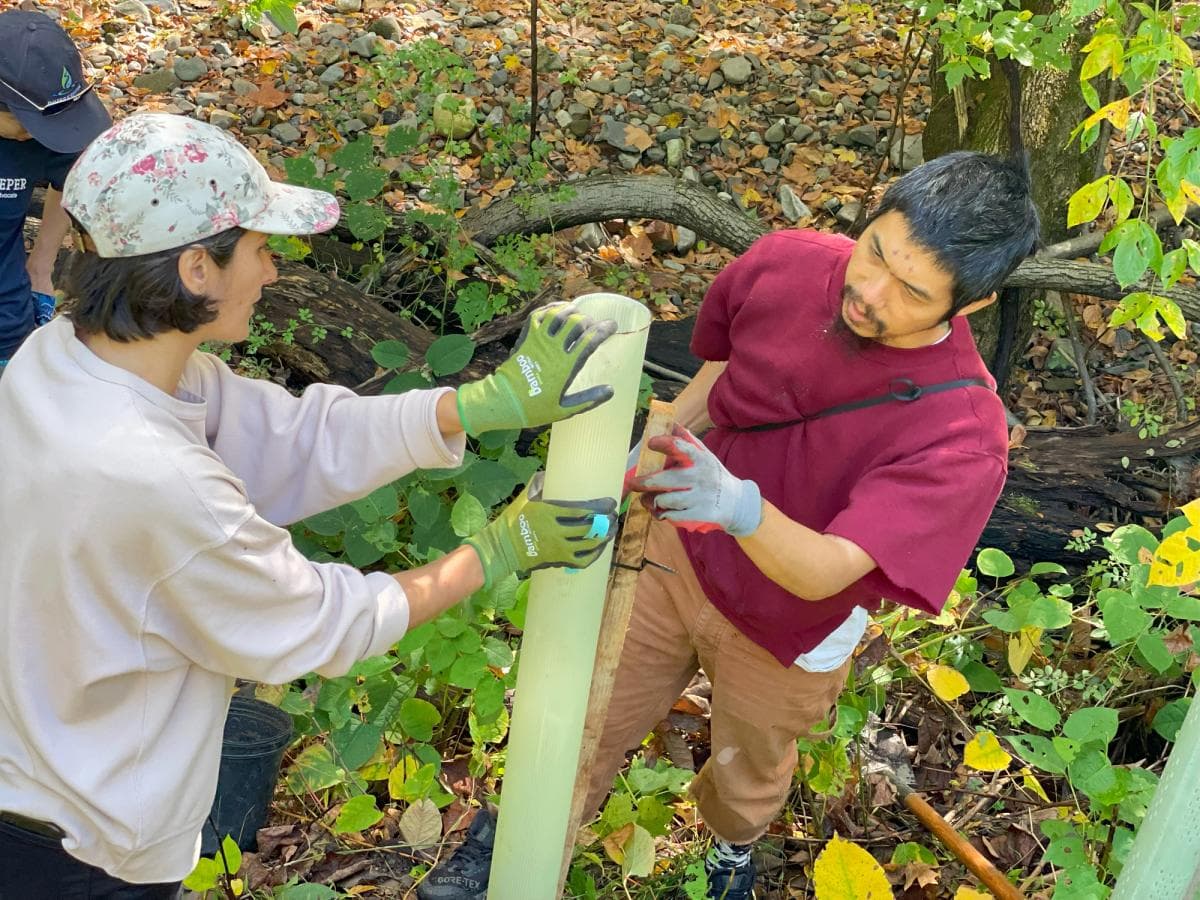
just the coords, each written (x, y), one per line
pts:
(42, 83)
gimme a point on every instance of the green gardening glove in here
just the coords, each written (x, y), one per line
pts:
(530, 387)
(532, 533)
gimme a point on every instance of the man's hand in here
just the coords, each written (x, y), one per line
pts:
(693, 491)
(41, 274)
(532, 533)
(530, 387)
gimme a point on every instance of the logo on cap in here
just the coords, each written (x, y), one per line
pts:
(69, 85)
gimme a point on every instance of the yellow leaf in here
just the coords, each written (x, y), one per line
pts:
(673, 119)
(947, 682)
(269, 66)
(1032, 784)
(969, 893)
(983, 752)
(1175, 562)
(1177, 205)
(750, 196)
(512, 62)
(1192, 511)
(1116, 112)
(845, 871)
(1020, 648)
(1191, 191)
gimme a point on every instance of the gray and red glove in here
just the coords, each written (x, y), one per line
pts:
(695, 492)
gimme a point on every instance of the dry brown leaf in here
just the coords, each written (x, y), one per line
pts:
(920, 874)
(614, 844)
(267, 96)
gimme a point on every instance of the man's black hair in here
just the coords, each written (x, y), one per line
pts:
(136, 297)
(974, 213)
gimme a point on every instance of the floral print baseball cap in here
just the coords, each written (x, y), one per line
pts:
(155, 182)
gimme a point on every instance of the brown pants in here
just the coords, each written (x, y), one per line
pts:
(759, 707)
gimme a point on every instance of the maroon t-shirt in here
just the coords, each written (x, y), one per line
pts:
(912, 484)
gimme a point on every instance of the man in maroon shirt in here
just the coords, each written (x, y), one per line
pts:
(853, 450)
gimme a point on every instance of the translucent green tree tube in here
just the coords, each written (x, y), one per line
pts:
(1164, 862)
(586, 460)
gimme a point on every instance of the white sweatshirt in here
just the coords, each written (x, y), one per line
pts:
(143, 567)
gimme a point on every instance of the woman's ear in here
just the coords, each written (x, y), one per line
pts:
(195, 270)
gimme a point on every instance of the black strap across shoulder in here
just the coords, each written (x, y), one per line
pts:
(904, 390)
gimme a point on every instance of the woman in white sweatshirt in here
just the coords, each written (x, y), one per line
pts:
(145, 490)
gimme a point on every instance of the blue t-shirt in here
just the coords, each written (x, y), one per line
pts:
(23, 165)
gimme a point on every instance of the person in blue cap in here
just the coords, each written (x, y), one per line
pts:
(48, 114)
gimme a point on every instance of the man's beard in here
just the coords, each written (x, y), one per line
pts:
(842, 329)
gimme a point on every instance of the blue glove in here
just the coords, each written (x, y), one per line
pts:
(695, 492)
(43, 307)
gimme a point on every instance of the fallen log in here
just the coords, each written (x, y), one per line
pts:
(1063, 480)
(605, 197)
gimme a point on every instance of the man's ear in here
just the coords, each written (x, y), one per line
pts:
(976, 305)
(194, 269)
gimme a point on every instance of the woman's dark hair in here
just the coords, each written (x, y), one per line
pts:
(136, 297)
(974, 213)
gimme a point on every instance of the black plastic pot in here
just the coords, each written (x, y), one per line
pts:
(256, 734)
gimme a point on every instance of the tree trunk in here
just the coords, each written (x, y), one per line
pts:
(1051, 106)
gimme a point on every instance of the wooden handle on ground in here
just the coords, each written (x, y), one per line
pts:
(992, 878)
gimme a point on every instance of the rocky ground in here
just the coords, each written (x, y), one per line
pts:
(785, 105)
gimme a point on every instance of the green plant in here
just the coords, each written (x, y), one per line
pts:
(281, 12)
(1148, 424)
(1144, 48)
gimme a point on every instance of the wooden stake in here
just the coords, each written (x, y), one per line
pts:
(622, 584)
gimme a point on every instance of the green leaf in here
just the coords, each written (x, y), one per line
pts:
(300, 170)
(468, 670)
(1085, 204)
(499, 654)
(1127, 542)
(365, 222)
(401, 139)
(1130, 261)
(357, 814)
(281, 13)
(314, 770)
(1095, 724)
(449, 354)
(417, 719)
(423, 506)
(356, 154)
(1123, 618)
(365, 184)
(1184, 607)
(333, 522)
(639, 854)
(1172, 315)
(206, 876)
(1034, 709)
(655, 816)
(1039, 751)
(356, 743)
(487, 700)
(407, 381)
(1122, 198)
(468, 516)
(1155, 651)
(1047, 568)
(618, 813)
(982, 679)
(910, 852)
(390, 354)
(995, 563)
(381, 503)
(306, 892)
(1169, 719)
